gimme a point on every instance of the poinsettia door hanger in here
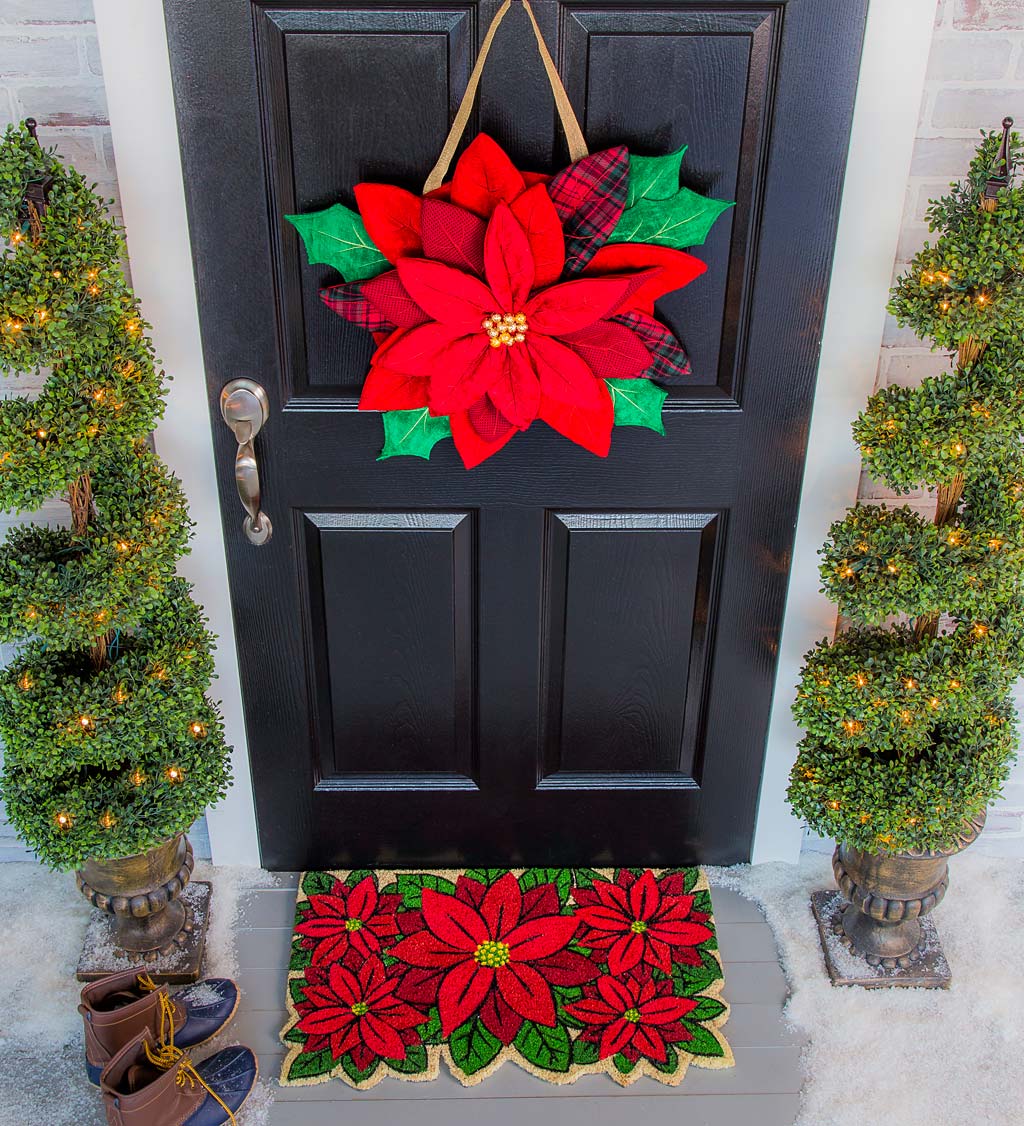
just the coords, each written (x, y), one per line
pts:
(501, 296)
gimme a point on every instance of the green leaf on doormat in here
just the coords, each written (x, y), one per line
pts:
(486, 876)
(584, 1052)
(702, 902)
(430, 1033)
(415, 1062)
(300, 958)
(691, 980)
(671, 1064)
(690, 878)
(638, 402)
(682, 221)
(707, 1009)
(472, 1047)
(703, 1043)
(308, 1065)
(547, 1048)
(296, 986)
(317, 883)
(357, 876)
(411, 885)
(560, 877)
(337, 237)
(622, 1064)
(294, 1036)
(653, 177)
(353, 1072)
(412, 433)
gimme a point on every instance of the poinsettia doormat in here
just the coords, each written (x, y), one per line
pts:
(563, 971)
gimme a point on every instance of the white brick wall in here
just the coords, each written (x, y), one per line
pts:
(50, 69)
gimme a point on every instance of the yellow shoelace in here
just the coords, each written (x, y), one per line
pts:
(166, 1056)
(167, 1013)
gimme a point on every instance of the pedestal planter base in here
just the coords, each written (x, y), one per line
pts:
(179, 962)
(927, 970)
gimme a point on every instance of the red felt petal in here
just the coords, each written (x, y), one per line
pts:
(473, 449)
(516, 391)
(531, 178)
(590, 429)
(489, 423)
(392, 219)
(447, 295)
(452, 921)
(536, 214)
(540, 938)
(610, 350)
(444, 193)
(527, 992)
(573, 305)
(677, 268)
(508, 261)
(350, 302)
(453, 236)
(502, 905)
(484, 177)
(429, 349)
(462, 992)
(465, 375)
(387, 390)
(563, 374)
(391, 299)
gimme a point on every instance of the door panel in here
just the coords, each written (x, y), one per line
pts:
(554, 658)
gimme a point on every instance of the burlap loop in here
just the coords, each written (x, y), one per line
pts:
(570, 126)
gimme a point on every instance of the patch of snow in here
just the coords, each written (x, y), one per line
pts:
(917, 1056)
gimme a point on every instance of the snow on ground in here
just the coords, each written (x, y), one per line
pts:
(42, 925)
(913, 1056)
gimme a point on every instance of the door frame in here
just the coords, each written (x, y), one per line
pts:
(136, 69)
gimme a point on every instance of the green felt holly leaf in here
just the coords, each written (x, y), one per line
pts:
(414, 1063)
(707, 1009)
(337, 237)
(547, 1048)
(681, 222)
(472, 1047)
(311, 1064)
(637, 402)
(411, 885)
(653, 177)
(413, 433)
(703, 1043)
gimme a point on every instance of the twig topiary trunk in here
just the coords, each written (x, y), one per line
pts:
(910, 726)
(110, 744)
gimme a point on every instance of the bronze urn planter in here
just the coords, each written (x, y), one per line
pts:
(145, 917)
(882, 917)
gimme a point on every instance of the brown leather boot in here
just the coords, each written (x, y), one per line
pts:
(118, 1008)
(150, 1085)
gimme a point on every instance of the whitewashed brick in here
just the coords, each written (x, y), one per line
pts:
(39, 56)
(912, 237)
(92, 54)
(942, 156)
(46, 11)
(907, 369)
(969, 58)
(966, 108)
(81, 101)
(895, 337)
(988, 15)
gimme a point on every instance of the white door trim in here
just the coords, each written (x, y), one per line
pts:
(136, 70)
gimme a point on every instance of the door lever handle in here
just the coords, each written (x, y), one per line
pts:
(245, 408)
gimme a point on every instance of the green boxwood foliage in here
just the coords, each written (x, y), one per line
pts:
(111, 744)
(907, 712)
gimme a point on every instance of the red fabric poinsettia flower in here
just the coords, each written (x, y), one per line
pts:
(489, 948)
(634, 1015)
(639, 923)
(349, 918)
(505, 306)
(358, 1013)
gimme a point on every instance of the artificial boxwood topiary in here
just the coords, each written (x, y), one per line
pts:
(111, 745)
(907, 712)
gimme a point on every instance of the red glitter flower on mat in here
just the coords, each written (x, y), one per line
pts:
(358, 1013)
(355, 918)
(639, 922)
(505, 305)
(634, 1015)
(488, 954)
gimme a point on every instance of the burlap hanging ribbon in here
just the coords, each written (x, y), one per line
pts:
(570, 126)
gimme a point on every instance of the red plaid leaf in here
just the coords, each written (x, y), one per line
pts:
(348, 301)
(671, 364)
(589, 197)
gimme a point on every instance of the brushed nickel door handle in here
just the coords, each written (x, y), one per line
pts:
(245, 408)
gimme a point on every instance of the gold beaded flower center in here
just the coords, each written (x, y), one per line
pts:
(505, 328)
(492, 954)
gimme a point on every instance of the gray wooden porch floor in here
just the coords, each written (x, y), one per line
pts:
(763, 1087)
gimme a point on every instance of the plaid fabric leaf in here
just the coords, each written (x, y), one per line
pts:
(671, 363)
(589, 197)
(349, 302)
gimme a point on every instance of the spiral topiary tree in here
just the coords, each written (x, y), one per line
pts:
(110, 744)
(909, 726)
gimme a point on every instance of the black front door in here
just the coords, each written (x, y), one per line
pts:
(553, 658)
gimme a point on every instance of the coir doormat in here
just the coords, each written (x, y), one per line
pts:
(565, 972)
